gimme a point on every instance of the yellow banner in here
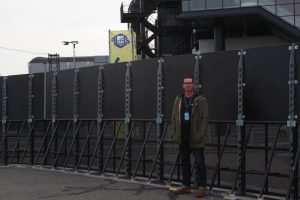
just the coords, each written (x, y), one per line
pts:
(122, 46)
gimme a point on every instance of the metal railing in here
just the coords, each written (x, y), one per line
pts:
(241, 155)
(95, 147)
(136, 7)
(286, 10)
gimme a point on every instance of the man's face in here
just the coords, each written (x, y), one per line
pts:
(188, 85)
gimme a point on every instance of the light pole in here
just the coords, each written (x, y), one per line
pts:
(74, 46)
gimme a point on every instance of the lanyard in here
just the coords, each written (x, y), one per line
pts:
(188, 103)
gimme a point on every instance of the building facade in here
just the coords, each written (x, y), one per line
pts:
(199, 26)
(40, 64)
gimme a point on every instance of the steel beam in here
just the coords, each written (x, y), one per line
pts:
(240, 124)
(30, 117)
(76, 115)
(4, 117)
(292, 125)
(197, 74)
(100, 103)
(54, 100)
(159, 120)
(128, 119)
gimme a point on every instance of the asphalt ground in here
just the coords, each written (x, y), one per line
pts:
(27, 183)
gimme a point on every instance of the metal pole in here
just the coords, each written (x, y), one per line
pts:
(240, 125)
(4, 110)
(132, 46)
(74, 57)
(142, 29)
(100, 116)
(292, 125)
(159, 120)
(53, 111)
(128, 119)
(30, 117)
(266, 154)
(45, 91)
(75, 113)
(197, 75)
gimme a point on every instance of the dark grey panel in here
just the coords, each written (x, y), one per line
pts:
(298, 78)
(38, 99)
(65, 79)
(266, 91)
(49, 78)
(175, 70)
(267, 83)
(1, 85)
(88, 92)
(17, 93)
(219, 81)
(114, 87)
(144, 75)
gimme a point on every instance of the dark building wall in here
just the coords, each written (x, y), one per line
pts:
(39, 65)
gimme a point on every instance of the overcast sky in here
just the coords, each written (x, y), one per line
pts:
(41, 25)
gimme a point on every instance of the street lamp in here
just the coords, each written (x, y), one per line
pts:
(74, 45)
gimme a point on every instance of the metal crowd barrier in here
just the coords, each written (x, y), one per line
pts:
(92, 147)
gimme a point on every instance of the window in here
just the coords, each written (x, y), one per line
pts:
(289, 19)
(197, 5)
(266, 2)
(214, 4)
(185, 5)
(285, 10)
(270, 9)
(246, 3)
(297, 9)
(231, 3)
(297, 21)
(284, 1)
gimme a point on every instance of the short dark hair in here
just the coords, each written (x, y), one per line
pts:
(189, 78)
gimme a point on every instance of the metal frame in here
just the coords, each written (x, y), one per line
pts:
(76, 125)
(30, 117)
(62, 159)
(159, 119)
(56, 144)
(197, 74)
(4, 117)
(54, 62)
(100, 100)
(292, 125)
(54, 99)
(266, 174)
(220, 155)
(240, 126)
(127, 121)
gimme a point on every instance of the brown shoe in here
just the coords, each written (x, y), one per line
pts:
(200, 193)
(183, 190)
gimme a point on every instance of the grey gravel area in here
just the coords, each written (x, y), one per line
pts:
(26, 183)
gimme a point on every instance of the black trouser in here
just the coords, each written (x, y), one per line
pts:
(200, 172)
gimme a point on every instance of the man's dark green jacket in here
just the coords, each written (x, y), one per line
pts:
(199, 121)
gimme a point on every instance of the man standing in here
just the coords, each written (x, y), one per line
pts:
(189, 126)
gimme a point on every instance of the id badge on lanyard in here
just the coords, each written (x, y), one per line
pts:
(186, 116)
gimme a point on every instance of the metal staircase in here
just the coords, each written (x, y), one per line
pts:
(146, 18)
(136, 15)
